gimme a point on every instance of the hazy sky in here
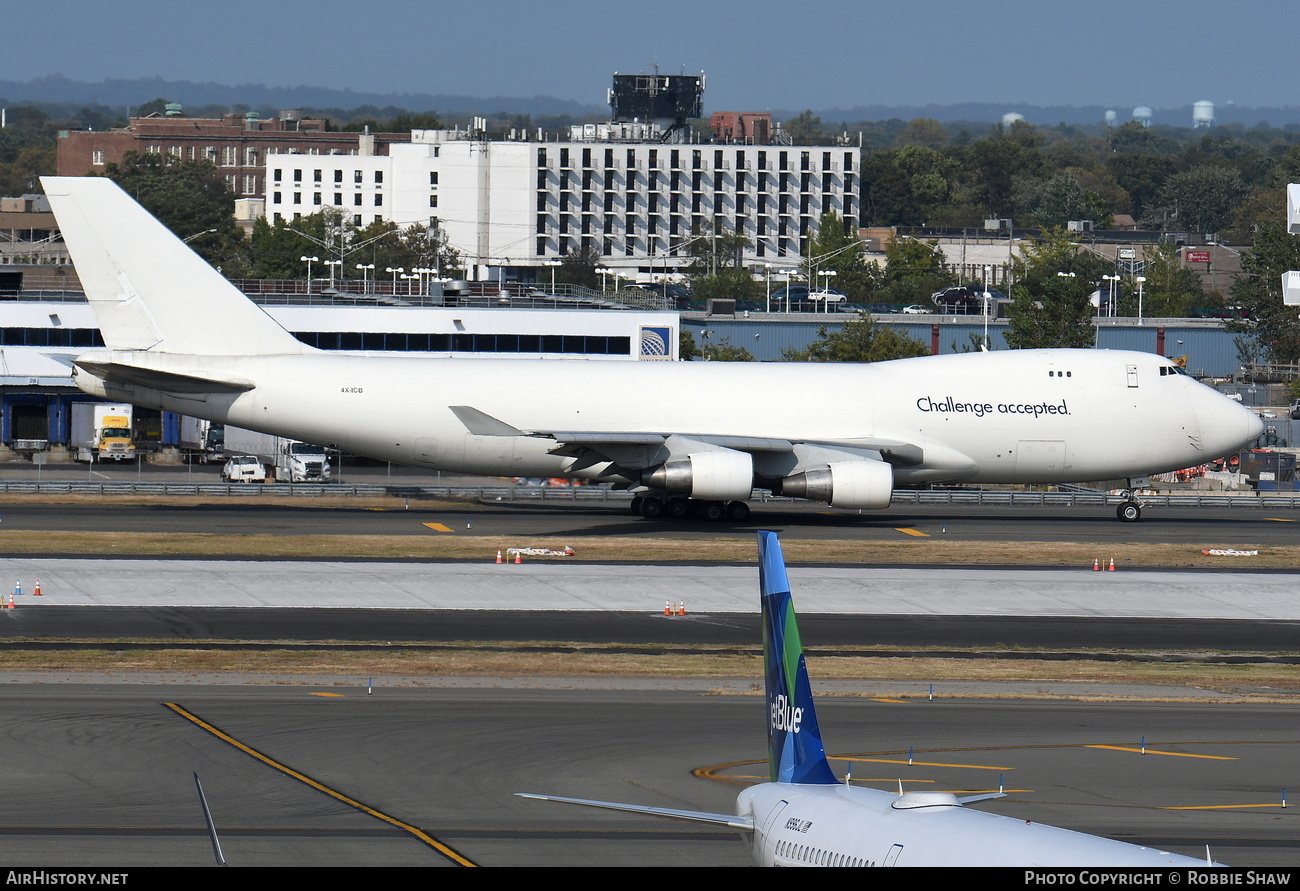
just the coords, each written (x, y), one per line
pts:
(757, 54)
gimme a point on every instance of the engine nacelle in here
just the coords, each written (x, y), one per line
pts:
(716, 475)
(866, 485)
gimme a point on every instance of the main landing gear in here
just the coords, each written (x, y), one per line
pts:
(658, 507)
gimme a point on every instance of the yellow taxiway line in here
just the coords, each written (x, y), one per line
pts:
(1157, 752)
(319, 787)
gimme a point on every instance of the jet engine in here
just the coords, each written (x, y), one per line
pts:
(867, 485)
(715, 475)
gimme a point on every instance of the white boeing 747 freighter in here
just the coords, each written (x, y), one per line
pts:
(684, 436)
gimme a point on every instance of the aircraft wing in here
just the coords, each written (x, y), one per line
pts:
(729, 820)
(574, 443)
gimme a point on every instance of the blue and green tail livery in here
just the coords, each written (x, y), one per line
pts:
(794, 743)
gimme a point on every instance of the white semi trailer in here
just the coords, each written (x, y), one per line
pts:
(288, 460)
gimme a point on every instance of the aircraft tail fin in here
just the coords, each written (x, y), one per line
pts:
(147, 289)
(795, 753)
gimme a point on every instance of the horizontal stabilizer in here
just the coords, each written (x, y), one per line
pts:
(730, 820)
(168, 381)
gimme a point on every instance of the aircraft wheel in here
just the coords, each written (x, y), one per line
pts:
(737, 511)
(652, 508)
(715, 510)
(1129, 512)
(678, 508)
(635, 506)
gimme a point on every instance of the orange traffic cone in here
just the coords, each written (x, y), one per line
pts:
(12, 605)
(519, 558)
(668, 607)
(1096, 565)
(1111, 568)
(681, 607)
(37, 592)
(499, 560)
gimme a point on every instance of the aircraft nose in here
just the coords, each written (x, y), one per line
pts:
(1254, 427)
(1226, 425)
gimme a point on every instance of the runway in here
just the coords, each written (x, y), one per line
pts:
(558, 523)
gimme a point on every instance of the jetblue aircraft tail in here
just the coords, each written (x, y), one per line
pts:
(147, 289)
(794, 743)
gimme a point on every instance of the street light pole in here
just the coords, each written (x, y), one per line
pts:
(1110, 287)
(1140, 279)
(826, 289)
(309, 261)
(365, 277)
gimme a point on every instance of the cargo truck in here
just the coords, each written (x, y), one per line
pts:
(201, 440)
(287, 460)
(101, 431)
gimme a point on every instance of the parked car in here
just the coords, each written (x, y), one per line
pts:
(917, 309)
(243, 469)
(791, 294)
(966, 299)
(1295, 410)
(826, 300)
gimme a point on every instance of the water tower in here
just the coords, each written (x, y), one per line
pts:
(1111, 118)
(1142, 114)
(1203, 114)
(1010, 118)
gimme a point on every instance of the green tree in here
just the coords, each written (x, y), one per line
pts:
(909, 186)
(832, 249)
(729, 283)
(716, 268)
(914, 270)
(1171, 289)
(859, 340)
(578, 267)
(1202, 199)
(925, 132)
(1051, 305)
(992, 165)
(22, 175)
(1050, 202)
(276, 247)
(1269, 322)
(805, 128)
(401, 123)
(687, 349)
(153, 106)
(714, 350)
(1142, 176)
(191, 199)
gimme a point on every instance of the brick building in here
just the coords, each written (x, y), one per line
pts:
(237, 144)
